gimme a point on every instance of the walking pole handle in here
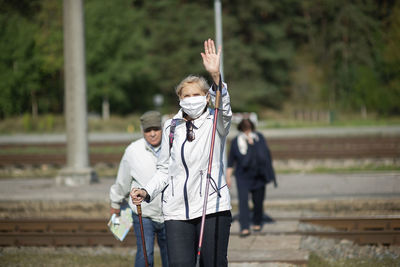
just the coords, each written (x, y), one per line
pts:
(217, 99)
(218, 94)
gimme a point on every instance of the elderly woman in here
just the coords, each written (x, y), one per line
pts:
(182, 171)
(250, 155)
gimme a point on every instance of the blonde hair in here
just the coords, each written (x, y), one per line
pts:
(192, 79)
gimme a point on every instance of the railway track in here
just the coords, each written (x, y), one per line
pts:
(383, 230)
(59, 232)
(94, 232)
(281, 149)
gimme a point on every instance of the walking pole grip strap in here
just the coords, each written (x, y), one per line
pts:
(218, 90)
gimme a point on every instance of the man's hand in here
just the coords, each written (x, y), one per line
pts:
(115, 211)
(211, 59)
(138, 195)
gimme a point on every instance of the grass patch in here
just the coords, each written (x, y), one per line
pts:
(287, 118)
(287, 123)
(55, 123)
(32, 150)
(56, 257)
(31, 259)
(63, 256)
(50, 123)
(317, 261)
(43, 150)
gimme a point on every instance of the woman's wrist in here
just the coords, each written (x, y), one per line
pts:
(215, 76)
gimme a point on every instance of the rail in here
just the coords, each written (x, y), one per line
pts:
(383, 230)
(281, 149)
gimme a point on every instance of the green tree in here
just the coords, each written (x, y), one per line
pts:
(135, 50)
(391, 63)
(18, 62)
(258, 53)
(340, 52)
(31, 57)
(49, 51)
(343, 35)
(176, 34)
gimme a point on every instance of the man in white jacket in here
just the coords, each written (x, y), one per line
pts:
(137, 166)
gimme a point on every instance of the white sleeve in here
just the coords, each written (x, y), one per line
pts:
(225, 112)
(160, 179)
(122, 186)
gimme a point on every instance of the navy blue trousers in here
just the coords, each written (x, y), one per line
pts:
(183, 239)
(257, 196)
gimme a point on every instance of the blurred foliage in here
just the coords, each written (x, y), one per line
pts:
(330, 54)
(55, 123)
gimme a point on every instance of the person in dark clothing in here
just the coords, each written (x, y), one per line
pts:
(250, 156)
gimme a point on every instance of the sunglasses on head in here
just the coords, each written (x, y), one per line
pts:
(189, 131)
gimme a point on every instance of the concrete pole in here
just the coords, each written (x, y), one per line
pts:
(218, 32)
(77, 170)
(218, 39)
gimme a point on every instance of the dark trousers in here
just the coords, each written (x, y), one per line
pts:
(257, 196)
(183, 239)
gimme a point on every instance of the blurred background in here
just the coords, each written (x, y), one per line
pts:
(294, 63)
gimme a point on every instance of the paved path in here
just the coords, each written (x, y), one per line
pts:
(291, 187)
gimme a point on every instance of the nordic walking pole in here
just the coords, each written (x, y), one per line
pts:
(139, 211)
(203, 217)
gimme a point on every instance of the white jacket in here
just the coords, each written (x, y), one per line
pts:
(137, 166)
(181, 173)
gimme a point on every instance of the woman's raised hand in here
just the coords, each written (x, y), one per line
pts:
(211, 59)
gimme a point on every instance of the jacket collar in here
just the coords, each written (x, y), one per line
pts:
(152, 149)
(196, 122)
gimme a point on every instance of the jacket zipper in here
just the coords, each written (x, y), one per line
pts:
(172, 185)
(185, 194)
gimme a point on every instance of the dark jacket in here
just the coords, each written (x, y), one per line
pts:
(254, 169)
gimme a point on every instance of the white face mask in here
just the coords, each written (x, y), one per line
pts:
(193, 106)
